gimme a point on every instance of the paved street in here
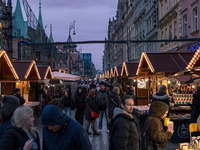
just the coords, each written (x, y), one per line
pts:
(98, 142)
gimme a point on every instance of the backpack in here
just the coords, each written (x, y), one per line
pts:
(101, 103)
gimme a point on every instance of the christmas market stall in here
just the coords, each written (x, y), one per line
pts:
(28, 81)
(117, 74)
(8, 75)
(157, 69)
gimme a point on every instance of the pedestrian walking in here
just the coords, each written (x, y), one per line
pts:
(124, 133)
(9, 105)
(102, 97)
(66, 103)
(161, 95)
(91, 105)
(158, 135)
(79, 105)
(21, 135)
(18, 95)
(114, 101)
(195, 105)
(60, 132)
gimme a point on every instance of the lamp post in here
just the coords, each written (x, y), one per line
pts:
(70, 46)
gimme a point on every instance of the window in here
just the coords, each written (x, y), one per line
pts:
(175, 29)
(161, 10)
(165, 6)
(170, 4)
(165, 33)
(147, 26)
(170, 31)
(161, 35)
(175, 2)
(195, 19)
(185, 25)
(37, 56)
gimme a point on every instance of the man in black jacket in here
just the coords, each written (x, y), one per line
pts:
(124, 133)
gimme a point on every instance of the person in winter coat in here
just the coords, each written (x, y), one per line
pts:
(20, 135)
(124, 133)
(102, 94)
(67, 103)
(60, 132)
(161, 95)
(91, 105)
(121, 91)
(114, 101)
(195, 105)
(18, 95)
(9, 105)
(130, 90)
(79, 105)
(154, 127)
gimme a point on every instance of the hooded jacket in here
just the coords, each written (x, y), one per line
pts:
(161, 96)
(125, 134)
(153, 125)
(114, 101)
(70, 136)
(14, 138)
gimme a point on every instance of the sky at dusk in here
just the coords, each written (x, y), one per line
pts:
(91, 17)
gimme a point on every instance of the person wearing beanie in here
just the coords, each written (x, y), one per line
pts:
(60, 132)
(153, 127)
(18, 95)
(10, 104)
(161, 95)
(130, 90)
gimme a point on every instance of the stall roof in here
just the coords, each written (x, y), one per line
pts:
(7, 71)
(45, 72)
(129, 68)
(65, 76)
(26, 70)
(111, 72)
(195, 61)
(163, 62)
(117, 71)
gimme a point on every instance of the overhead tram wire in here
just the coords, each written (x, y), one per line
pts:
(117, 42)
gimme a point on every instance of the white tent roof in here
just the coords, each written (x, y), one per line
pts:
(64, 76)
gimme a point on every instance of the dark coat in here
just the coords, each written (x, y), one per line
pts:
(21, 100)
(5, 124)
(130, 91)
(14, 138)
(79, 102)
(153, 125)
(93, 106)
(70, 136)
(114, 101)
(100, 94)
(66, 101)
(195, 108)
(125, 134)
(161, 96)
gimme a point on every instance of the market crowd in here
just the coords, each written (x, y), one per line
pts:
(91, 101)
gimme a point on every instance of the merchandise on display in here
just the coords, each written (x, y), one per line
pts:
(182, 99)
(143, 109)
(194, 145)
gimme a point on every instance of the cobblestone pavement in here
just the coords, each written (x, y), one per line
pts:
(100, 142)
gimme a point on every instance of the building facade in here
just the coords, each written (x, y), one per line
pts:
(190, 17)
(169, 24)
(87, 58)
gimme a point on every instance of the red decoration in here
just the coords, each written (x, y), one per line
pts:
(170, 73)
(146, 75)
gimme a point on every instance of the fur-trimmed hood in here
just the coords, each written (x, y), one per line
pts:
(160, 96)
(158, 109)
(119, 111)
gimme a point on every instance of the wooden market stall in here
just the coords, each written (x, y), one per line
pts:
(117, 74)
(8, 75)
(157, 69)
(28, 77)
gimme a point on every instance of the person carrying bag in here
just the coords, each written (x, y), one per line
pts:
(93, 113)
